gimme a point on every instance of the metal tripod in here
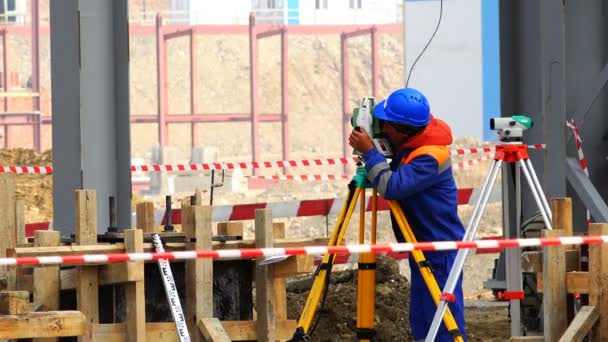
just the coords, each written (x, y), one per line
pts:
(366, 273)
(514, 153)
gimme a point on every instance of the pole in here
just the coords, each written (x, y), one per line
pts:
(404, 43)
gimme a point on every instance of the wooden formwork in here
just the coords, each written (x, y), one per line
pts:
(29, 304)
(561, 275)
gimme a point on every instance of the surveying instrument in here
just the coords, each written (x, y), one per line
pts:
(364, 117)
(510, 149)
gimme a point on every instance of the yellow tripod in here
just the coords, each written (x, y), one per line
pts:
(366, 297)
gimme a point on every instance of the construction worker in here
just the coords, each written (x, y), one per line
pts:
(420, 178)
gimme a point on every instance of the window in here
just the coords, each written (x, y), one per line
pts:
(355, 4)
(8, 9)
(321, 4)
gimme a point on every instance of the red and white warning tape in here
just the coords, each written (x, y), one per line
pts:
(331, 177)
(581, 156)
(248, 253)
(239, 165)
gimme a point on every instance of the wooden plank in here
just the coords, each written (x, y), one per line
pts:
(156, 332)
(46, 278)
(212, 330)
(42, 324)
(247, 330)
(14, 302)
(232, 228)
(278, 230)
(576, 282)
(20, 222)
(86, 234)
(280, 269)
(67, 250)
(295, 264)
(134, 291)
(581, 325)
(264, 279)
(145, 217)
(110, 274)
(8, 231)
(598, 278)
(532, 261)
(199, 273)
(555, 295)
(86, 217)
(528, 339)
(120, 248)
(561, 207)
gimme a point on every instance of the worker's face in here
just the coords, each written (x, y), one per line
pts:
(395, 137)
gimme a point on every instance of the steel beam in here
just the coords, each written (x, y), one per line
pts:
(553, 94)
(90, 85)
(586, 191)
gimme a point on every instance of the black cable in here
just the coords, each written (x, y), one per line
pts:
(427, 44)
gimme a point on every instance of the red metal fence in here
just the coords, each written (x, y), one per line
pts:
(163, 34)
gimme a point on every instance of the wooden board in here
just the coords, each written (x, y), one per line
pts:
(554, 288)
(264, 279)
(156, 332)
(247, 330)
(42, 324)
(581, 325)
(14, 302)
(87, 288)
(576, 282)
(598, 278)
(212, 330)
(134, 291)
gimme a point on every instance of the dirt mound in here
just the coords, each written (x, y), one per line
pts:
(35, 190)
(338, 318)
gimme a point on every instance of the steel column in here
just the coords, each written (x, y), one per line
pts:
(5, 70)
(553, 94)
(90, 84)
(35, 17)
(375, 62)
(253, 84)
(345, 97)
(161, 86)
(193, 86)
(285, 91)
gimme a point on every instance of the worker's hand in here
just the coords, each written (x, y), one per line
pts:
(360, 140)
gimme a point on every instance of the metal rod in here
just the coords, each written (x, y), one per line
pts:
(539, 189)
(168, 225)
(535, 194)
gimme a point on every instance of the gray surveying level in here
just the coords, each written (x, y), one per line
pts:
(510, 149)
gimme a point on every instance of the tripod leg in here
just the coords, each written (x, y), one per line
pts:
(366, 284)
(488, 182)
(319, 284)
(463, 253)
(539, 189)
(536, 194)
(425, 271)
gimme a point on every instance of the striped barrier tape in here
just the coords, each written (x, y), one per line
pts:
(581, 156)
(249, 253)
(332, 177)
(238, 165)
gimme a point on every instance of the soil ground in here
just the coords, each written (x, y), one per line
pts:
(485, 318)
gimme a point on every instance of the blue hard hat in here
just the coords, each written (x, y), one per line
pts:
(407, 106)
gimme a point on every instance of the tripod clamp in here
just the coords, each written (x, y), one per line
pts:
(360, 177)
